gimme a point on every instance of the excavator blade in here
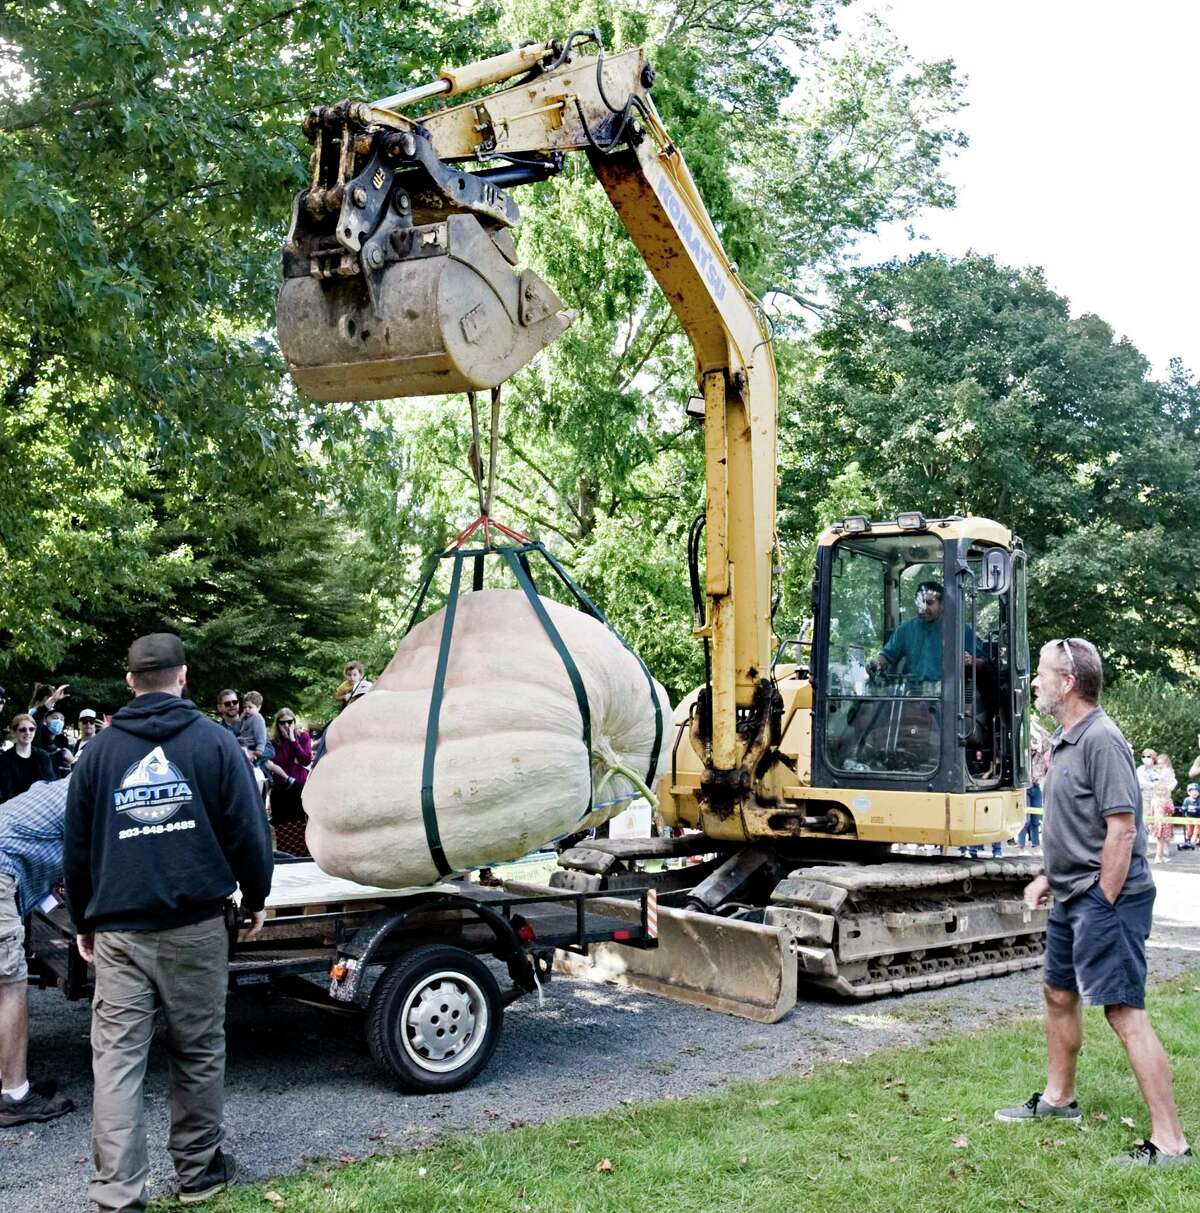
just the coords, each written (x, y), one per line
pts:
(450, 315)
(739, 968)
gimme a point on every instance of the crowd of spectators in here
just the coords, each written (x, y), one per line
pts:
(43, 743)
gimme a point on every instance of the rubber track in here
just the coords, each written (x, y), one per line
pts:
(922, 873)
(925, 981)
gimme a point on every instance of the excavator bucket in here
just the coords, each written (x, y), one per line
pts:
(450, 315)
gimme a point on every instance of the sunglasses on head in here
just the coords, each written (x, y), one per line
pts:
(1066, 648)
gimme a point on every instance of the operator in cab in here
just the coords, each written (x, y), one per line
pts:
(917, 642)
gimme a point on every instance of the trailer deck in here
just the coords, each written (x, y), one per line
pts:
(408, 960)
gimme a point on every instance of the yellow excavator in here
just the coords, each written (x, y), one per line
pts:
(818, 787)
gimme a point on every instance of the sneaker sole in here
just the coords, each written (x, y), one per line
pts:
(194, 1198)
(11, 1122)
(1017, 1120)
(1163, 1163)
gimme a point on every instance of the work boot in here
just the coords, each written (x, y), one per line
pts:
(36, 1106)
(1036, 1108)
(218, 1175)
(1149, 1155)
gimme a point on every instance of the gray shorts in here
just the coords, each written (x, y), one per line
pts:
(1098, 949)
(12, 935)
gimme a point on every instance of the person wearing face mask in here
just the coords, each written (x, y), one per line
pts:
(62, 757)
(1157, 781)
(45, 700)
(1147, 777)
(24, 764)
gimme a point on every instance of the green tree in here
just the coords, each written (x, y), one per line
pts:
(148, 155)
(270, 596)
(966, 386)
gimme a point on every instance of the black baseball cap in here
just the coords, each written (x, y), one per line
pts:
(158, 651)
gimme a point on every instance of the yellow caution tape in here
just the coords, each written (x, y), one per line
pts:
(1146, 820)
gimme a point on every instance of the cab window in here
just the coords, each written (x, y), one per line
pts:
(883, 674)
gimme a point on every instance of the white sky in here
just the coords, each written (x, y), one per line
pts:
(1084, 121)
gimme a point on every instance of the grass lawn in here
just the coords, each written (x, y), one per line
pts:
(903, 1130)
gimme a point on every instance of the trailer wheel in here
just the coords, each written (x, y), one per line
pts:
(434, 1018)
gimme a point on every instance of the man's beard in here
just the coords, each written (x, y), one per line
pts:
(1051, 707)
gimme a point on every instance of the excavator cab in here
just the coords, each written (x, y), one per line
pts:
(921, 657)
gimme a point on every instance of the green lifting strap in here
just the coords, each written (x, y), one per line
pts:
(597, 613)
(428, 810)
(431, 566)
(517, 558)
(515, 562)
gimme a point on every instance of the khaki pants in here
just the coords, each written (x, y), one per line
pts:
(185, 972)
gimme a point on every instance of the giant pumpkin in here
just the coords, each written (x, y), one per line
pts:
(510, 772)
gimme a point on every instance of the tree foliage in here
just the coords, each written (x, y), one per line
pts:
(1155, 713)
(155, 466)
(965, 386)
(148, 155)
(597, 454)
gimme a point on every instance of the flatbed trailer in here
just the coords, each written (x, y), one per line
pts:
(410, 962)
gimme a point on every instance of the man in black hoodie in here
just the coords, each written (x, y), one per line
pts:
(163, 821)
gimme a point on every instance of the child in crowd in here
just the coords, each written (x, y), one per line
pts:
(252, 737)
(252, 729)
(1191, 808)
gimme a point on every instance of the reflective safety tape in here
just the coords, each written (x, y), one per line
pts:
(1147, 818)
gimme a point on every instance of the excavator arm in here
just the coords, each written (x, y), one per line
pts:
(400, 280)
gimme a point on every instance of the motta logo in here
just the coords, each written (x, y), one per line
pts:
(379, 178)
(152, 790)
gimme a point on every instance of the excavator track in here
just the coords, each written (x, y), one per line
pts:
(868, 931)
(851, 930)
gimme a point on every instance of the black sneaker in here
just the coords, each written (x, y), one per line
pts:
(36, 1106)
(218, 1175)
(1149, 1155)
(1036, 1108)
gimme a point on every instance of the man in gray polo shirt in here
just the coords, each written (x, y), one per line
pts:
(1103, 899)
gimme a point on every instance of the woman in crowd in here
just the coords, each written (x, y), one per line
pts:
(24, 764)
(1158, 782)
(289, 771)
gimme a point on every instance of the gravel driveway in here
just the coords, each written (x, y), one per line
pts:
(301, 1084)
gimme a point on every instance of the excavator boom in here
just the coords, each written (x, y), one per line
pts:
(400, 280)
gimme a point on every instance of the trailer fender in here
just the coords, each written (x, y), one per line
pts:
(346, 978)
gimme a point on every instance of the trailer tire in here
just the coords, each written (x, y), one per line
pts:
(434, 1018)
